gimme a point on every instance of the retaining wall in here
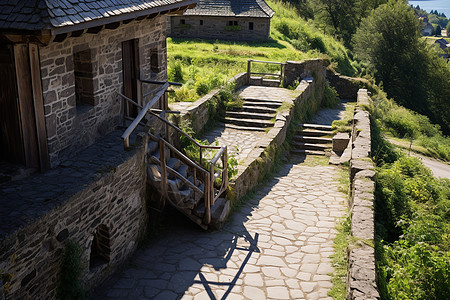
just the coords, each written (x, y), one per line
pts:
(47, 210)
(198, 112)
(362, 273)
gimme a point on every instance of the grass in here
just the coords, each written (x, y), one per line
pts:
(340, 261)
(202, 65)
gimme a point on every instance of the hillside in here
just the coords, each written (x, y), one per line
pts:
(203, 65)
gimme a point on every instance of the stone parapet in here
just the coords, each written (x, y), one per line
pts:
(362, 272)
(347, 87)
(298, 70)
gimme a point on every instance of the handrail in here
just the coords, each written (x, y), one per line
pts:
(266, 62)
(159, 82)
(141, 115)
(218, 155)
(249, 72)
(184, 157)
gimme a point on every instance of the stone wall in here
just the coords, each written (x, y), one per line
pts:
(73, 126)
(362, 272)
(198, 112)
(347, 87)
(210, 27)
(298, 70)
(89, 196)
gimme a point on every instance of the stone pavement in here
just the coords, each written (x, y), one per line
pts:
(243, 142)
(276, 246)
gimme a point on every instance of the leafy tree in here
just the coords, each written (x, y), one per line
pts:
(342, 17)
(438, 30)
(448, 29)
(388, 41)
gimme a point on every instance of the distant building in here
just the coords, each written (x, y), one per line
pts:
(226, 19)
(427, 29)
(445, 46)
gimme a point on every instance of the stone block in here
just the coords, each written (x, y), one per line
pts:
(340, 142)
(357, 165)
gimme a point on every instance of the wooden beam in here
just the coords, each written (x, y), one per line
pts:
(26, 106)
(113, 25)
(38, 107)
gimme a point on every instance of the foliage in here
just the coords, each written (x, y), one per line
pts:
(412, 227)
(70, 286)
(404, 123)
(287, 25)
(330, 97)
(388, 42)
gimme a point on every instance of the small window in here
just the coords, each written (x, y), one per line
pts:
(201, 22)
(182, 21)
(84, 75)
(100, 248)
(154, 61)
(250, 25)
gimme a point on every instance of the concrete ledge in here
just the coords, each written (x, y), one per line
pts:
(362, 273)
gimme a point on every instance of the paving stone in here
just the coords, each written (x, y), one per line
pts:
(294, 217)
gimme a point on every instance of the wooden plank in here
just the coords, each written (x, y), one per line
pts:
(11, 142)
(24, 87)
(39, 107)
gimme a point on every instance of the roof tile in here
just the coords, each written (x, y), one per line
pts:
(44, 14)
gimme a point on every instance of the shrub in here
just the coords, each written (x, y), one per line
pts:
(70, 286)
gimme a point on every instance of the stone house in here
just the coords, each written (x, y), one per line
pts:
(228, 20)
(427, 29)
(63, 64)
(445, 47)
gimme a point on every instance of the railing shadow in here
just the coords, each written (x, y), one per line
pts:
(184, 257)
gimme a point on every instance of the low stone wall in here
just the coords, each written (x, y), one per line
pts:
(347, 87)
(298, 70)
(362, 272)
(96, 200)
(198, 112)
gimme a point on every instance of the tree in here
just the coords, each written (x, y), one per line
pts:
(388, 41)
(438, 30)
(448, 29)
(342, 17)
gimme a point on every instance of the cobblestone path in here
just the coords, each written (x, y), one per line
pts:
(276, 246)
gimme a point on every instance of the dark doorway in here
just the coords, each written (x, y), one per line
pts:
(130, 67)
(11, 139)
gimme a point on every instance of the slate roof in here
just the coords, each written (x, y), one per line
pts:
(34, 15)
(231, 8)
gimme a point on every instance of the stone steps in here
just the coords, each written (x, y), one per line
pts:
(249, 115)
(307, 152)
(311, 146)
(263, 103)
(249, 122)
(313, 139)
(313, 132)
(181, 195)
(236, 127)
(316, 127)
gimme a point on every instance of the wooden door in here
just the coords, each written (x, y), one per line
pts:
(11, 139)
(130, 67)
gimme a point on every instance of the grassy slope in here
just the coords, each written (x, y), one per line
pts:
(208, 64)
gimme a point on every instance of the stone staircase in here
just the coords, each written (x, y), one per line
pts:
(185, 185)
(312, 139)
(254, 115)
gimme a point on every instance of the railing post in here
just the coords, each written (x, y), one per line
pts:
(139, 93)
(249, 62)
(211, 176)
(201, 152)
(225, 167)
(162, 158)
(207, 195)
